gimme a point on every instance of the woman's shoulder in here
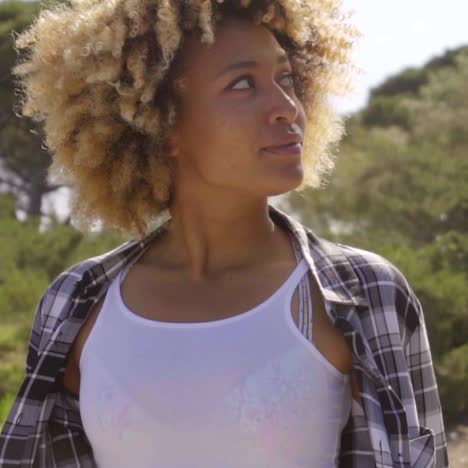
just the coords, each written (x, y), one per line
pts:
(102, 263)
(67, 289)
(368, 264)
(379, 278)
(88, 271)
(384, 284)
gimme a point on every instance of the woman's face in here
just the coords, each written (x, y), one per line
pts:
(229, 113)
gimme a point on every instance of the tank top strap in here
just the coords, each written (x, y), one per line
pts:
(305, 298)
(304, 281)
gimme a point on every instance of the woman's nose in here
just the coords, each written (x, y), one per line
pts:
(282, 105)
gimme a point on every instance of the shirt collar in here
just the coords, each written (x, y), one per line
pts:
(332, 269)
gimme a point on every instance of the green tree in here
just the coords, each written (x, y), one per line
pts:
(23, 161)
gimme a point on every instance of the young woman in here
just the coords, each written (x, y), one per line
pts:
(224, 333)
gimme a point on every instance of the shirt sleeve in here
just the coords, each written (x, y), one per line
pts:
(421, 369)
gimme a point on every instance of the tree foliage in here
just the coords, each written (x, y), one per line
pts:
(23, 161)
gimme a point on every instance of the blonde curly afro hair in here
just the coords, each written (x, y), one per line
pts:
(101, 74)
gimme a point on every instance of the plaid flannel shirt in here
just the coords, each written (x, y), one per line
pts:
(398, 425)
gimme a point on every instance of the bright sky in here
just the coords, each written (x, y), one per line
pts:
(399, 34)
(396, 34)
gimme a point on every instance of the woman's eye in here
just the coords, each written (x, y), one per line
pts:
(249, 78)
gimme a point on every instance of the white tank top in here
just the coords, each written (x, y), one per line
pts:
(247, 391)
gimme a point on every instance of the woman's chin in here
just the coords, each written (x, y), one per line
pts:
(286, 184)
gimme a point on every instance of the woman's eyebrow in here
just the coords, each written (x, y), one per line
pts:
(281, 58)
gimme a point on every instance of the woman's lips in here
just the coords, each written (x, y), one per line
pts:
(291, 149)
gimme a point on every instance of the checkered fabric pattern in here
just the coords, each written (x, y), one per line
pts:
(398, 425)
